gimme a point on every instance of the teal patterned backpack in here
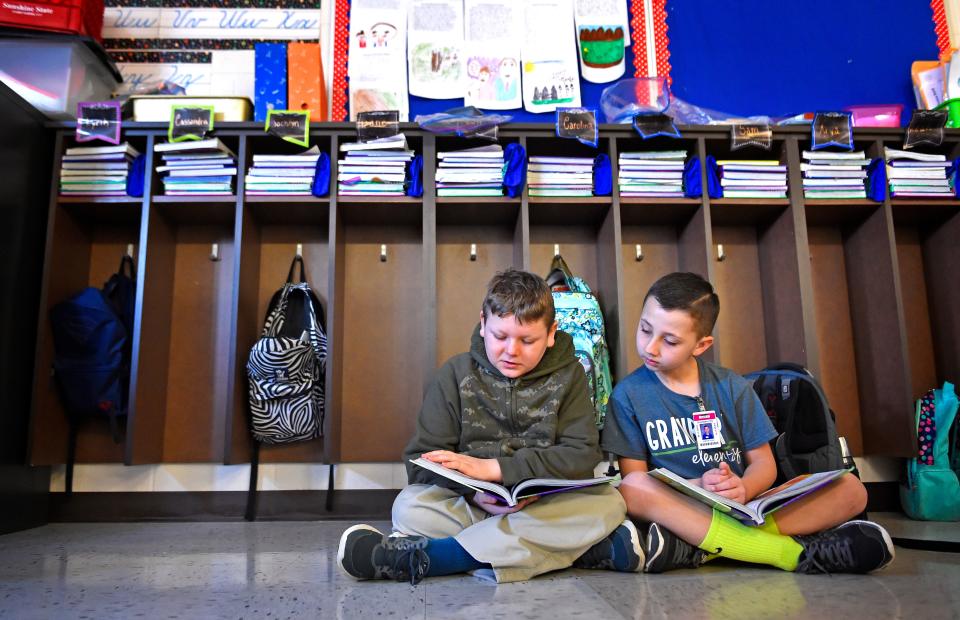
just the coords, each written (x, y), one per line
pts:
(932, 489)
(578, 314)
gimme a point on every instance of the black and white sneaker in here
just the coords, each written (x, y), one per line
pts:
(666, 551)
(365, 553)
(620, 551)
(854, 547)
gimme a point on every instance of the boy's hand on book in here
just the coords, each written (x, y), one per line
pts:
(722, 481)
(493, 505)
(481, 469)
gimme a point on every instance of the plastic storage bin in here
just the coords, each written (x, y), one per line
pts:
(880, 115)
(56, 74)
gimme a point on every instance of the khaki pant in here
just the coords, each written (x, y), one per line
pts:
(547, 535)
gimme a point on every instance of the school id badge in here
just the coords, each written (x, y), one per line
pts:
(708, 430)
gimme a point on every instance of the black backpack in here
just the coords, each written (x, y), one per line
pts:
(807, 440)
(92, 339)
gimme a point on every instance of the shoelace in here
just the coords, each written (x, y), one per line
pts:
(831, 550)
(409, 560)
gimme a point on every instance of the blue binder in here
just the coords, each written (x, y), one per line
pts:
(270, 78)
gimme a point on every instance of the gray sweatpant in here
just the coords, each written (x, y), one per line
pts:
(547, 535)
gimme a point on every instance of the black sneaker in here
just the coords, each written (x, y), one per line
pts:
(854, 547)
(365, 553)
(666, 551)
(620, 551)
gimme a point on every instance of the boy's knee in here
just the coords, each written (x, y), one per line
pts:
(854, 493)
(639, 490)
(408, 508)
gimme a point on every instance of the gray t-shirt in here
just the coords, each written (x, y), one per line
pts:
(649, 422)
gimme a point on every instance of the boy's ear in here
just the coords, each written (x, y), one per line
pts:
(702, 345)
(482, 323)
(552, 335)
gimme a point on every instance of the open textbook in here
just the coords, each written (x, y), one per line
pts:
(756, 510)
(523, 489)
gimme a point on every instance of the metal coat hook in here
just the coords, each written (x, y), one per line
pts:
(473, 251)
(556, 249)
(214, 252)
(721, 256)
(639, 253)
(383, 252)
(130, 250)
(299, 253)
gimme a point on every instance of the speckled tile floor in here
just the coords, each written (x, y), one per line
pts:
(288, 570)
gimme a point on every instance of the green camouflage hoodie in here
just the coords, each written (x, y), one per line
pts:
(540, 425)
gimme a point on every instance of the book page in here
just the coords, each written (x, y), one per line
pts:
(467, 481)
(378, 57)
(435, 58)
(493, 54)
(717, 502)
(546, 486)
(793, 489)
(550, 76)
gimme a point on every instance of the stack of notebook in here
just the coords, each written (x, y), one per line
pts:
(834, 175)
(651, 174)
(282, 175)
(197, 168)
(754, 178)
(918, 175)
(376, 168)
(560, 176)
(96, 170)
(471, 172)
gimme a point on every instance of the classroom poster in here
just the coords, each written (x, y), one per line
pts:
(435, 60)
(493, 31)
(550, 77)
(378, 57)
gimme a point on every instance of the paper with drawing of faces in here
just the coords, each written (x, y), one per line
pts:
(435, 60)
(377, 65)
(492, 53)
(550, 76)
(602, 37)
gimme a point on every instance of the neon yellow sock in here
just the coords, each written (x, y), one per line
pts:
(729, 538)
(769, 526)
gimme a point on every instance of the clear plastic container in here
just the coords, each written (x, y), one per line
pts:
(878, 115)
(56, 74)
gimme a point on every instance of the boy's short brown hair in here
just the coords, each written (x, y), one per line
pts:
(691, 293)
(523, 294)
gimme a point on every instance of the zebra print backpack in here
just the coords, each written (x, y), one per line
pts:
(287, 366)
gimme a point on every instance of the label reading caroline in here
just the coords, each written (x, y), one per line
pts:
(926, 127)
(374, 125)
(577, 123)
(290, 125)
(832, 129)
(190, 122)
(98, 120)
(751, 134)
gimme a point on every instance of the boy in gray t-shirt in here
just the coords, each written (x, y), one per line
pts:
(705, 423)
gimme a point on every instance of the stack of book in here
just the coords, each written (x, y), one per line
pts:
(471, 172)
(754, 178)
(834, 175)
(651, 174)
(197, 168)
(375, 168)
(96, 170)
(918, 175)
(560, 176)
(282, 175)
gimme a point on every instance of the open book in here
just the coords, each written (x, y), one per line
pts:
(767, 502)
(511, 496)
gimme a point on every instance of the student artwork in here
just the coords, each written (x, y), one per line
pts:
(493, 81)
(435, 58)
(602, 36)
(550, 76)
(378, 56)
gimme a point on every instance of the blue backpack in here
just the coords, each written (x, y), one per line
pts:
(932, 489)
(91, 365)
(579, 314)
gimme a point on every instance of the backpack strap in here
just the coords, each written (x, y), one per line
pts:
(297, 260)
(250, 514)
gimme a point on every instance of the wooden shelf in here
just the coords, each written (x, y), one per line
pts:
(737, 212)
(289, 211)
(498, 212)
(838, 212)
(650, 212)
(105, 209)
(569, 211)
(920, 211)
(185, 210)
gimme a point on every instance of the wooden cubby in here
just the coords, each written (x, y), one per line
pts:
(858, 291)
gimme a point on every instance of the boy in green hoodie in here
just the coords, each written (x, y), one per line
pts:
(515, 406)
